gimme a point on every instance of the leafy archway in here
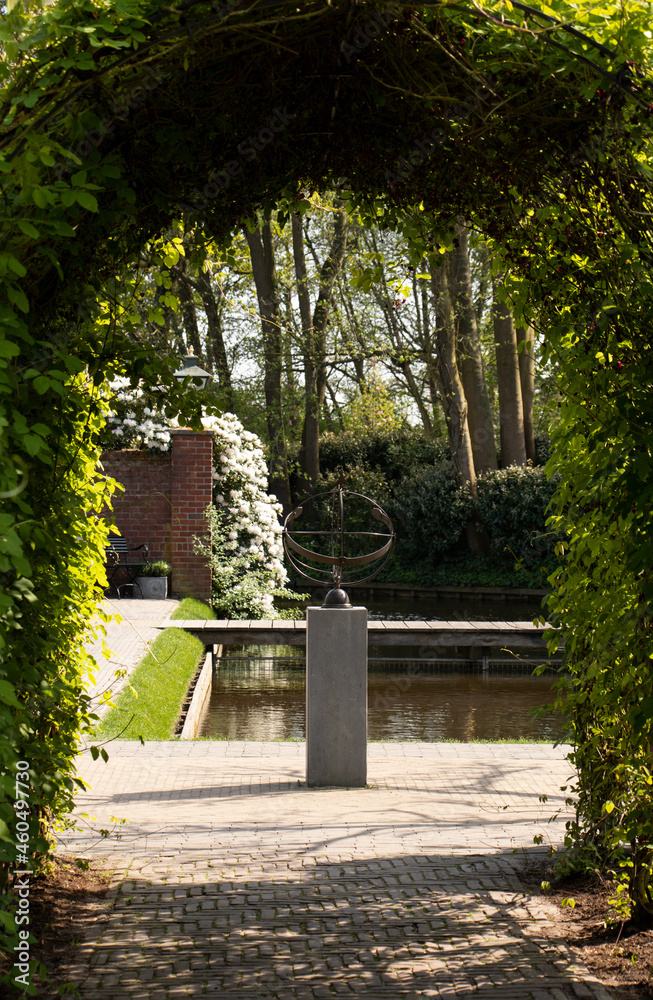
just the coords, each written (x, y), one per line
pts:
(117, 119)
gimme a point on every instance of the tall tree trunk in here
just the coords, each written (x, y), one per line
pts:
(451, 389)
(511, 412)
(527, 380)
(400, 361)
(430, 363)
(261, 250)
(314, 331)
(356, 342)
(293, 394)
(185, 290)
(164, 336)
(414, 390)
(216, 351)
(434, 396)
(309, 453)
(399, 338)
(177, 341)
(420, 298)
(470, 363)
(327, 417)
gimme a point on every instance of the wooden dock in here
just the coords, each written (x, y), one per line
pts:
(384, 633)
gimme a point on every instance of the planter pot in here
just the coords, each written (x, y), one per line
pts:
(153, 588)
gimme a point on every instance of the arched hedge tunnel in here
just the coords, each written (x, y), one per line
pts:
(119, 120)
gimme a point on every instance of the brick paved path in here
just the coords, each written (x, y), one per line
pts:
(235, 880)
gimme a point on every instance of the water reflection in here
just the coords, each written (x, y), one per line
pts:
(266, 701)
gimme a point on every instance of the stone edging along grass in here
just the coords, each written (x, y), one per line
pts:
(150, 704)
(198, 694)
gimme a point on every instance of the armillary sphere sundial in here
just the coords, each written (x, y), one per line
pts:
(339, 565)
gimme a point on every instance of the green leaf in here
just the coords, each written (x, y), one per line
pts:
(18, 297)
(87, 200)
(26, 227)
(16, 265)
(8, 350)
(8, 694)
(39, 197)
(32, 444)
(646, 708)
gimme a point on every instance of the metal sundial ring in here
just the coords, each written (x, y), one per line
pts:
(338, 567)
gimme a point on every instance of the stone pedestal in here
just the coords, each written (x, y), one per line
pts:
(336, 697)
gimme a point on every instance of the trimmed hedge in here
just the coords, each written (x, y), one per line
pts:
(413, 478)
(430, 512)
(391, 453)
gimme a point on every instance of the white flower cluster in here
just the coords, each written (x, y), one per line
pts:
(138, 426)
(250, 517)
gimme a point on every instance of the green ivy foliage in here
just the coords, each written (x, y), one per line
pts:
(54, 362)
(44, 708)
(603, 594)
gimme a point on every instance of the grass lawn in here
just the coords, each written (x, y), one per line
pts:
(192, 610)
(150, 706)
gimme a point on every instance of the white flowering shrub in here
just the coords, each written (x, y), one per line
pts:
(132, 423)
(246, 554)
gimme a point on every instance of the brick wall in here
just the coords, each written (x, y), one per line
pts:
(163, 505)
(192, 484)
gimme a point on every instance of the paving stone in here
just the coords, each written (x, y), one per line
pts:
(234, 878)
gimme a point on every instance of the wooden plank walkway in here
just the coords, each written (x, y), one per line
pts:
(384, 633)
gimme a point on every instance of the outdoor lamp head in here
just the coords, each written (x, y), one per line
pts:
(192, 371)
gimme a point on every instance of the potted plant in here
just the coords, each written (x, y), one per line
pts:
(153, 580)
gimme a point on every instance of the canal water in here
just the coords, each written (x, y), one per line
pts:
(259, 692)
(264, 699)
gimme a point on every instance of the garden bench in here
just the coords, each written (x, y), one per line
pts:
(117, 559)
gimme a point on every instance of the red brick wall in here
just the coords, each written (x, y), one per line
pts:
(163, 505)
(192, 485)
(142, 511)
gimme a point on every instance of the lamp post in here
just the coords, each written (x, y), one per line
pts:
(191, 372)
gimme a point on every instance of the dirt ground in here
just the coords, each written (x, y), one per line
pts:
(67, 903)
(620, 956)
(64, 907)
